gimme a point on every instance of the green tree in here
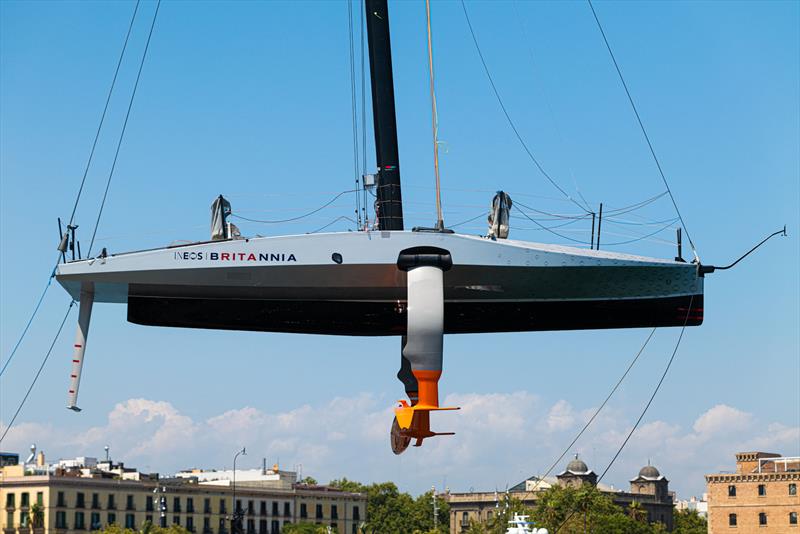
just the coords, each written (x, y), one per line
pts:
(576, 510)
(304, 528)
(689, 522)
(637, 512)
(311, 481)
(390, 511)
(37, 515)
(147, 527)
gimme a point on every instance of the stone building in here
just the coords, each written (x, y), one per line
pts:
(649, 488)
(75, 496)
(761, 496)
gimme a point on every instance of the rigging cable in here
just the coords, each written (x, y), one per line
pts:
(331, 201)
(337, 219)
(353, 108)
(596, 412)
(646, 406)
(364, 115)
(124, 127)
(80, 189)
(508, 116)
(434, 122)
(103, 115)
(641, 126)
(39, 372)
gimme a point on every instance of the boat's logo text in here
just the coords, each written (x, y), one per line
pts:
(261, 257)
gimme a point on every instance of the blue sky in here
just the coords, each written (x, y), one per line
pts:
(252, 100)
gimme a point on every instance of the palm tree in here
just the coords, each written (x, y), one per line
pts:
(37, 514)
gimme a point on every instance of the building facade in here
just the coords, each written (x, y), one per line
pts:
(761, 496)
(90, 496)
(649, 488)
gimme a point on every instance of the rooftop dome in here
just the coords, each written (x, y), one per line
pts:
(649, 471)
(577, 466)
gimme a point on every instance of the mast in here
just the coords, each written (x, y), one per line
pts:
(390, 204)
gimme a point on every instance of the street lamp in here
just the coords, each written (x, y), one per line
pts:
(237, 516)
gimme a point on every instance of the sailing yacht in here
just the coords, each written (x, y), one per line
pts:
(418, 284)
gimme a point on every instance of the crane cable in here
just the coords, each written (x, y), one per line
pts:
(508, 116)
(124, 127)
(644, 131)
(80, 189)
(646, 406)
(596, 412)
(39, 372)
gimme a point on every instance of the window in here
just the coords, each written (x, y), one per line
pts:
(24, 518)
(762, 519)
(130, 521)
(319, 511)
(251, 526)
(129, 503)
(222, 507)
(40, 498)
(79, 524)
(251, 507)
(262, 527)
(303, 510)
(95, 501)
(148, 518)
(60, 501)
(762, 490)
(333, 527)
(792, 489)
(79, 501)
(189, 505)
(61, 518)
(190, 523)
(148, 503)
(10, 520)
(792, 518)
(334, 512)
(112, 504)
(356, 513)
(94, 523)
(238, 505)
(176, 520)
(221, 525)
(263, 509)
(25, 500)
(274, 508)
(489, 515)
(10, 500)
(176, 504)
(464, 518)
(287, 510)
(206, 506)
(206, 525)
(355, 528)
(111, 518)
(276, 527)
(732, 520)
(731, 491)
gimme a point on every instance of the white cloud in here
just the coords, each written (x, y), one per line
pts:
(500, 439)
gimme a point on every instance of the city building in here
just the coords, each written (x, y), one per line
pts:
(693, 504)
(649, 488)
(84, 494)
(761, 494)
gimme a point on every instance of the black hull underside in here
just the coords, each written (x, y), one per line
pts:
(389, 318)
